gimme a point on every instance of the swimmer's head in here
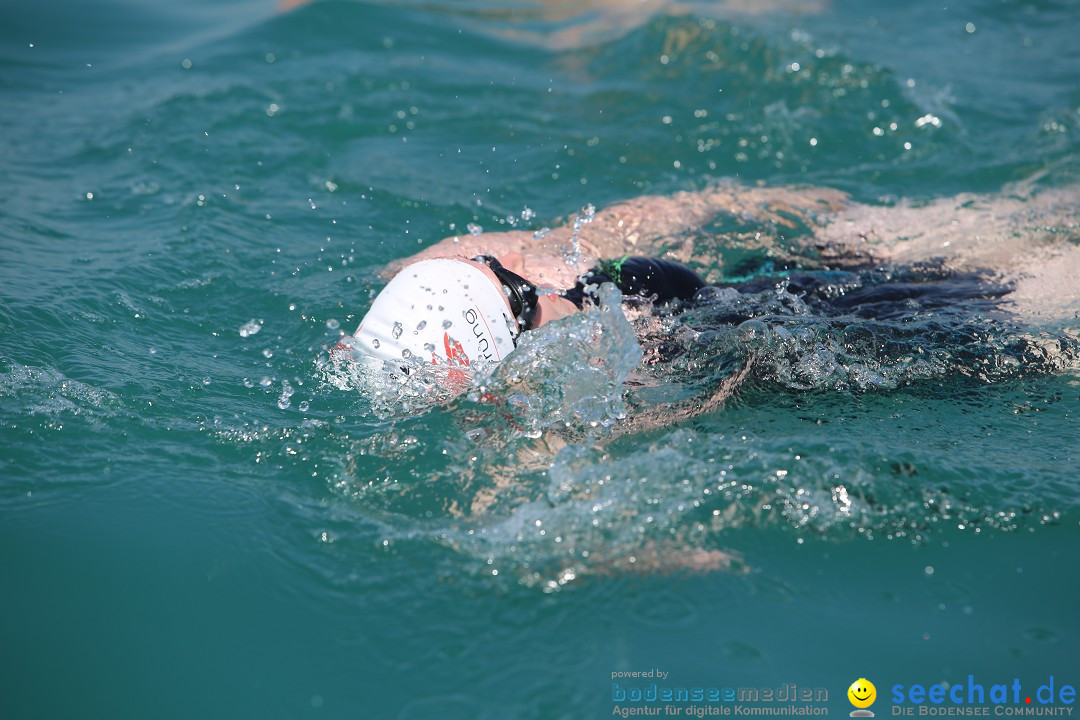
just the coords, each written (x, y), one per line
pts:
(442, 311)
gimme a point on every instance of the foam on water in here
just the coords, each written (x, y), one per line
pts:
(46, 392)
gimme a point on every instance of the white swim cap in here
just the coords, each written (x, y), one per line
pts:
(441, 311)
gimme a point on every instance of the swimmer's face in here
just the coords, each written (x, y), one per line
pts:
(862, 693)
(533, 308)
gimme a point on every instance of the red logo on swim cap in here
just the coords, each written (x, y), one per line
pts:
(455, 354)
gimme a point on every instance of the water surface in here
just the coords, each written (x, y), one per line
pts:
(199, 519)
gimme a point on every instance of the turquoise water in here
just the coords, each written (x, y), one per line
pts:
(199, 519)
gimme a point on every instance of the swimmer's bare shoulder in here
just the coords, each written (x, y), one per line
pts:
(542, 258)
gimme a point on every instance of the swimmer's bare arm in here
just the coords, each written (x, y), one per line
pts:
(653, 225)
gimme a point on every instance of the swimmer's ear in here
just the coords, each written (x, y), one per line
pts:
(514, 262)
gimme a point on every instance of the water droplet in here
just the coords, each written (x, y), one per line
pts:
(268, 353)
(304, 405)
(286, 393)
(582, 218)
(406, 353)
(397, 330)
(474, 229)
(332, 324)
(446, 324)
(251, 327)
(375, 343)
(421, 325)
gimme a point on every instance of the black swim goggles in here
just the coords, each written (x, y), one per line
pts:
(520, 292)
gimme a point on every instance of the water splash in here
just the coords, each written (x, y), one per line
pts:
(570, 374)
(529, 473)
(582, 217)
(285, 398)
(46, 392)
(540, 487)
(875, 330)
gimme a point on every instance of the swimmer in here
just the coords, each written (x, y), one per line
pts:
(500, 286)
(468, 299)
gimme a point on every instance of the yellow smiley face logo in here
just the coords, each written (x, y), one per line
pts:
(862, 693)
